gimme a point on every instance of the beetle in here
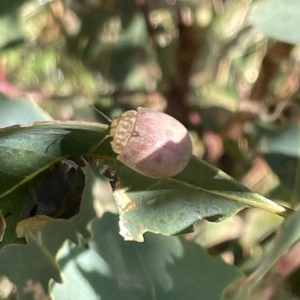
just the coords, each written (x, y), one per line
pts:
(150, 142)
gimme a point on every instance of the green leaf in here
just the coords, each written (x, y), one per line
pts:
(284, 140)
(288, 234)
(279, 19)
(28, 265)
(56, 231)
(9, 29)
(159, 268)
(167, 206)
(20, 111)
(27, 152)
(281, 149)
(173, 205)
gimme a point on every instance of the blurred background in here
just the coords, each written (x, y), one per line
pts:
(202, 61)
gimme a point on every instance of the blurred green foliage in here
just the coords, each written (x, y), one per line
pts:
(229, 71)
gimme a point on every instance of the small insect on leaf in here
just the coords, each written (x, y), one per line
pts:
(151, 142)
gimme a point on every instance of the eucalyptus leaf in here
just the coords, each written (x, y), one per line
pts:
(20, 111)
(173, 205)
(26, 153)
(159, 268)
(278, 19)
(9, 29)
(167, 206)
(28, 266)
(280, 147)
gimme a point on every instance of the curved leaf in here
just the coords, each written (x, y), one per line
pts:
(173, 205)
(167, 206)
(27, 152)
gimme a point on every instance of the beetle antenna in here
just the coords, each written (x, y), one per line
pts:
(101, 113)
(98, 144)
